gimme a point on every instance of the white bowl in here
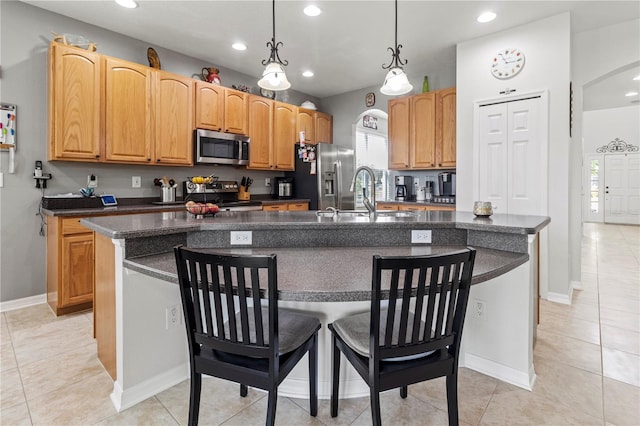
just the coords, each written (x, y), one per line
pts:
(308, 105)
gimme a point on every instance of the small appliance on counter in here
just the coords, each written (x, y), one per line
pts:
(224, 193)
(447, 184)
(282, 187)
(404, 186)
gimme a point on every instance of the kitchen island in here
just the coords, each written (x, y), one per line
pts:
(324, 267)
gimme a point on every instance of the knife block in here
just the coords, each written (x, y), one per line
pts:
(243, 194)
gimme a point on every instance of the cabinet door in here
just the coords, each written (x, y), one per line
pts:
(305, 123)
(260, 132)
(324, 127)
(127, 112)
(384, 206)
(298, 206)
(275, 207)
(77, 269)
(399, 134)
(235, 112)
(284, 135)
(423, 131)
(446, 127)
(74, 104)
(174, 118)
(209, 112)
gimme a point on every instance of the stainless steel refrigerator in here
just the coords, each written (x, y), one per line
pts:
(329, 186)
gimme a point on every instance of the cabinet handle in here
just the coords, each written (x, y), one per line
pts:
(158, 160)
(98, 156)
(148, 159)
(227, 130)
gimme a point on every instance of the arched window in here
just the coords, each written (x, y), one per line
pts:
(371, 149)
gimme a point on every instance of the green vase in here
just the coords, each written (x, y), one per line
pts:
(425, 84)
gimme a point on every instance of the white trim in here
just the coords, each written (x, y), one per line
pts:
(349, 388)
(500, 371)
(576, 285)
(138, 393)
(565, 299)
(11, 305)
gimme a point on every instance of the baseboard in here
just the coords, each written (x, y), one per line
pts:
(524, 380)
(123, 399)
(577, 285)
(565, 299)
(11, 305)
(298, 388)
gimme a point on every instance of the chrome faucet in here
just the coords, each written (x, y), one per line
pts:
(370, 205)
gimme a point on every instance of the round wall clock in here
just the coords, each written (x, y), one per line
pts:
(507, 63)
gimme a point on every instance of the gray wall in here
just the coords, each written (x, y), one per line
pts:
(25, 33)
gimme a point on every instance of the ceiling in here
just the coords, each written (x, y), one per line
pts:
(350, 37)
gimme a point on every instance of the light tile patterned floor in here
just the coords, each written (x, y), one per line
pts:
(587, 360)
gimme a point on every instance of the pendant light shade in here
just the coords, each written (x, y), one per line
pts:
(274, 77)
(396, 81)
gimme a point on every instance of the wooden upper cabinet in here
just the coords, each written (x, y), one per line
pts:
(173, 118)
(235, 112)
(323, 127)
(305, 123)
(74, 104)
(423, 131)
(284, 135)
(128, 129)
(446, 127)
(209, 106)
(260, 132)
(399, 133)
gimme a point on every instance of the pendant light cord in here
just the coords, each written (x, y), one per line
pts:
(396, 62)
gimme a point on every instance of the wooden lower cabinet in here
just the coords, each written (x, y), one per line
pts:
(70, 256)
(412, 207)
(286, 206)
(104, 312)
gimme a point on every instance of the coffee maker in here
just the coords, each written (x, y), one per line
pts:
(404, 188)
(282, 187)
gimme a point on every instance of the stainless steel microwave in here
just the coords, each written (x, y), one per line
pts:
(220, 148)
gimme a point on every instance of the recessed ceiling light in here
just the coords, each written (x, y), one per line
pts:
(486, 17)
(312, 10)
(631, 94)
(308, 73)
(129, 4)
(239, 46)
(637, 77)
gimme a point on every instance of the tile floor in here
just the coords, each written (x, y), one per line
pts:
(587, 360)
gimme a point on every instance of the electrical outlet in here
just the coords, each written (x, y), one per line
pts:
(267, 181)
(136, 181)
(92, 181)
(420, 236)
(241, 238)
(173, 316)
(479, 309)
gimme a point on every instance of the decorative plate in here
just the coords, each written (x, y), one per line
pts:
(370, 99)
(268, 93)
(152, 56)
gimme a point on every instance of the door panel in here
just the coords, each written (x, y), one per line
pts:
(493, 156)
(622, 190)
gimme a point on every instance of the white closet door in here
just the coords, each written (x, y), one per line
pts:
(493, 156)
(525, 194)
(622, 188)
(511, 163)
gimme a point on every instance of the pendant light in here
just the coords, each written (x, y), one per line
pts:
(274, 77)
(396, 81)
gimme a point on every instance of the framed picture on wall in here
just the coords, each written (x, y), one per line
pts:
(370, 122)
(370, 99)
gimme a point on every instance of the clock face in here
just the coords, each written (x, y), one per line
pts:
(507, 63)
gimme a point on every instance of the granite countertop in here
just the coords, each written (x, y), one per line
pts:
(416, 203)
(92, 206)
(336, 274)
(145, 225)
